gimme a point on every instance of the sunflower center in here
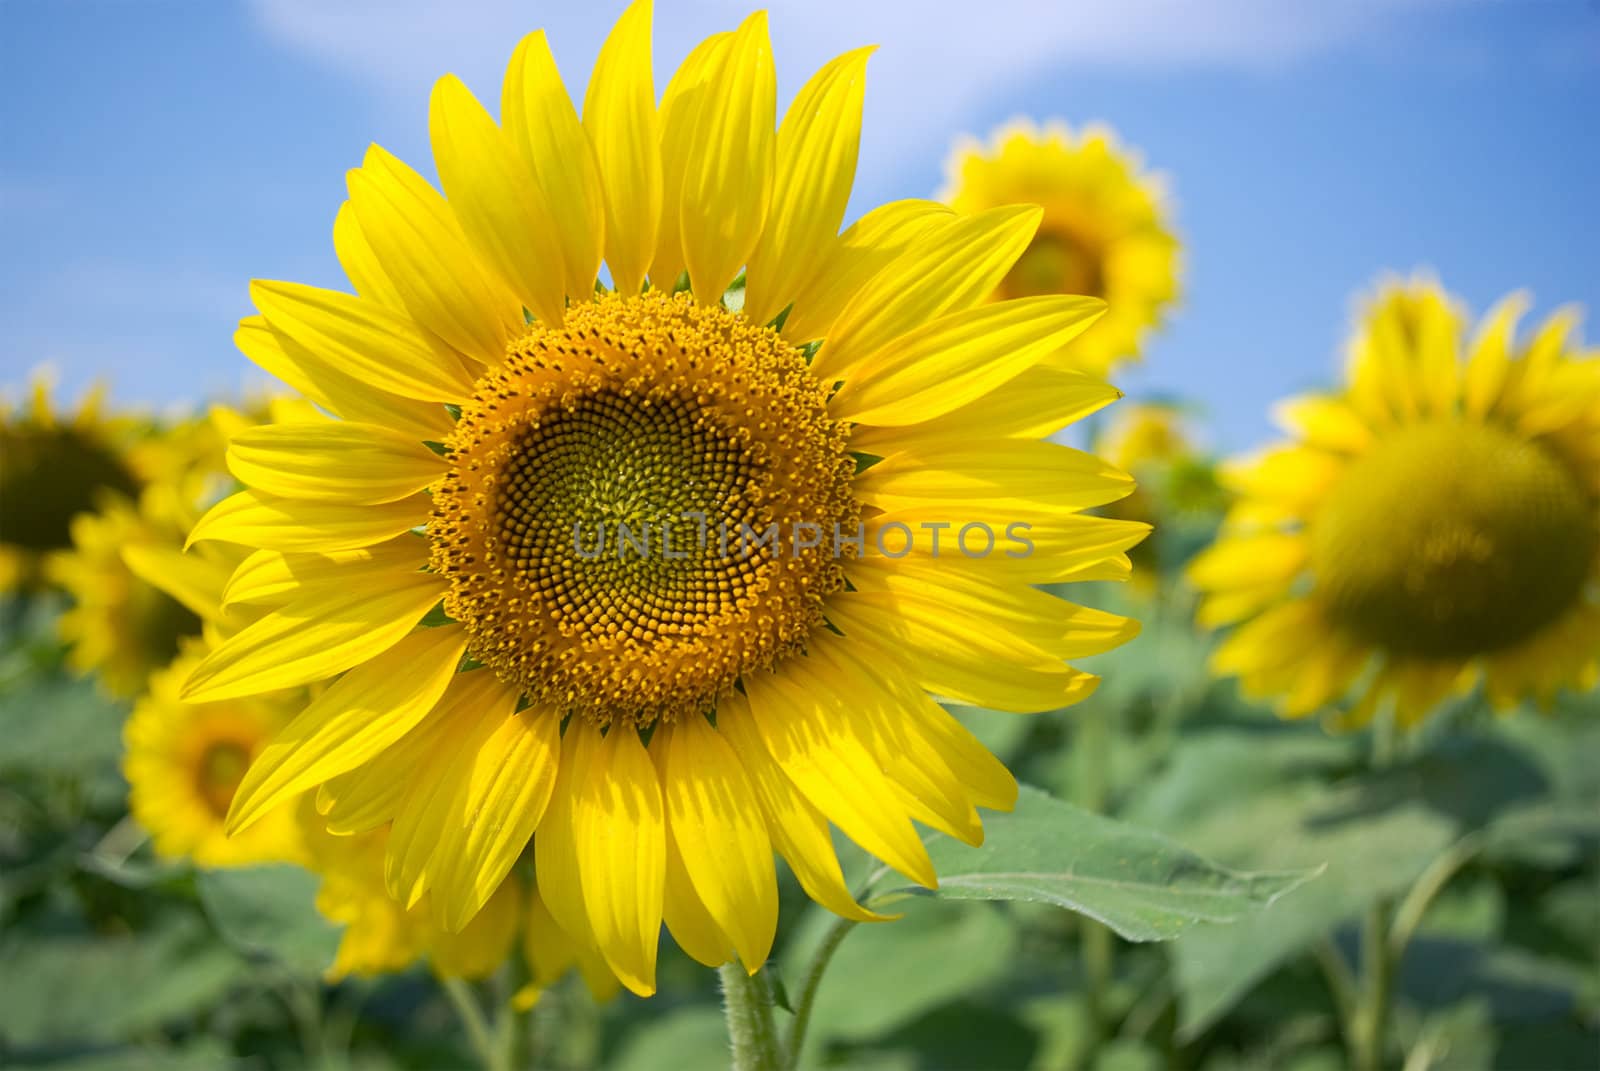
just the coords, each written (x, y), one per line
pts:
(628, 522)
(1452, 540)
(1057, 261)
(217, 776)
(48, 475)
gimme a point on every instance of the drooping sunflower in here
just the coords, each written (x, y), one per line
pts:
(51, 469)
(1434, 523)
(647, 573)
(1106, 229)
(184, 762)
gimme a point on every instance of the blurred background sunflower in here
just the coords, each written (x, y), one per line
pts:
(1434, 523)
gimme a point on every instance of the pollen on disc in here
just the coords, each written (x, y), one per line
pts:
(593, 475)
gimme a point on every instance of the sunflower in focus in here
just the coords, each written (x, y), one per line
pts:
(1106, 229)
(649, 574)
(184, 762)
(1434, 524)
(53, 467)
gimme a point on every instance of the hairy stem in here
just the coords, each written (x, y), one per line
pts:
(808, 988)
(747, 1003)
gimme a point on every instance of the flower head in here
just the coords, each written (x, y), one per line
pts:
(647, 573)
(1434, 523)
(1106, 230)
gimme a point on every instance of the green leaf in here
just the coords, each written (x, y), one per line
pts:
(81, 988)
(270, 911)
(1369, 854)
(1140, 884)
(694, 1037)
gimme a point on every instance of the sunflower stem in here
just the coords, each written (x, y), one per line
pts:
(1369, 1027)
(747, 1003)
(467, 1009)
(808, 988)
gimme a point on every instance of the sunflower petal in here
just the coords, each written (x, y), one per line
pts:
(544, 129)
(359, 715)
(619, 116)
(271, 577)
(494, 196)
(289, 524)
(816, 165)
(364, 340)
(333, 461)
(718, 831)
(318, 635)
(619, 824)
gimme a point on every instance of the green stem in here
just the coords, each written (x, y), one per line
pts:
(1377, 967)
(748, 1006)
(808, 988)
(513, 1024)
(1433, 880)
(471, 1015)
(1341, 983)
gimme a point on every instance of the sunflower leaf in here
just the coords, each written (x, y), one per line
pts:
(270, 911)
(1138, 883)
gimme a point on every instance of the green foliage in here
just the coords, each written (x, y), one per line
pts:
(270, 912)
(1140, 884)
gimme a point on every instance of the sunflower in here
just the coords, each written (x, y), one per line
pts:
(651, 569)
(1435, 523)
(1106, 230)
(52, 469)
(184, 761)
(1153, 442)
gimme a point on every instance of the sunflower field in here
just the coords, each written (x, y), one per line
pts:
(657, 611)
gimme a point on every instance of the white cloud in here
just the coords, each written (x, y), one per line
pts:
(938, 62)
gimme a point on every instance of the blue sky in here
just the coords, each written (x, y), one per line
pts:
(157, 155)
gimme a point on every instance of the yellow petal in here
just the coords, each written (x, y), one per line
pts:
(727, 185)
(1032, 405)
(619, 116)
(807, 737)
(192, 579)
(475, 706)
(493, 194)
(550, 950)
(1249, 561)
(858, 254)
(958, 358)
(969, 255)
(798, 830)
(555, 851)
(361, 265)
(480, 947)
(333, 461)
(686, 915)
(619, 826)
(271, 577)
(717, 827)
(1015, 473)
(364, 340)
(544, 129)
(816, 165)
(1326, 423)
(359, 715)
(289, 524)
(1057, 545)
(500, 795)
(322, 633)
(961, 659)
(681, 107)
(341, 394)
(1490, 359)
(421, 245)
(374, 793)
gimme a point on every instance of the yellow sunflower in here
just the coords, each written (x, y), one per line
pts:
(1152, 441)
(651, 570)
(1434, 523)
(51, 469)
(1106, 230)
(184, 761)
